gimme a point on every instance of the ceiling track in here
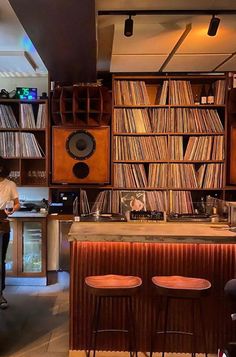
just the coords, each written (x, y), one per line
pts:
(167, 12)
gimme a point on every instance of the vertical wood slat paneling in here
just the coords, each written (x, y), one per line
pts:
(215, 262)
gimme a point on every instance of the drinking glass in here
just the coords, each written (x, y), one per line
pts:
(9, 206)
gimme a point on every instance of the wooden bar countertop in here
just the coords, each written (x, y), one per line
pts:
(170, 232)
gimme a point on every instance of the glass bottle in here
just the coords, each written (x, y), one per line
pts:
(196, 99)
(203, 96)
(210, 95)
(202, 207)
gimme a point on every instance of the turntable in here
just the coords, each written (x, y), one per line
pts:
(189, 217)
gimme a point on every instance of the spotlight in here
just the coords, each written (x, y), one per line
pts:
(128, 30)
(213, 26)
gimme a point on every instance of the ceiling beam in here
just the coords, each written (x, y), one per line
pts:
(64, 34)
(176, 47)
(223, 62)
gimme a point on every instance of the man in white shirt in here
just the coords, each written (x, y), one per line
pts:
(8, 194)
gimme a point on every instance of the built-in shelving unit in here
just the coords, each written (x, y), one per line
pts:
(166, 143)
(24, 140)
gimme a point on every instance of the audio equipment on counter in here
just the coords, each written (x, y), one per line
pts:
(189, 217)
(81, 155)
(146, 216)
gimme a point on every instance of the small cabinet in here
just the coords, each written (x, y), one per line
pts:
(26, 255)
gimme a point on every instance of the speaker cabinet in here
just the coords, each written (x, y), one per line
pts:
(81, 155)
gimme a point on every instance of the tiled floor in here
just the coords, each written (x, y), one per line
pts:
(36, 323)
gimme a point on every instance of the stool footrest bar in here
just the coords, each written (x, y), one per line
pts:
(175, 332)
(111, 330)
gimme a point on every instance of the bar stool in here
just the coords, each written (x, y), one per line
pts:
(186, 288)
(113, 286)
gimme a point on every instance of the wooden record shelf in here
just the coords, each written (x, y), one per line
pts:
(81, 105)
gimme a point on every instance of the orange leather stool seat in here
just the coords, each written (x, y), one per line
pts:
(185, 288)
(113, 287)
(181, 286)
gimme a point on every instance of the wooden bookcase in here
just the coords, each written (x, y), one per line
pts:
(157, 122)
(24, 140)
(167, 145)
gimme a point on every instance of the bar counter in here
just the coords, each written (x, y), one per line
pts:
(204, 250)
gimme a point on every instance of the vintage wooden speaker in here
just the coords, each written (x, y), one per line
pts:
(81, 155)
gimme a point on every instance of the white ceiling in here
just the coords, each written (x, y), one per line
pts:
(155, 37)
(18, 57)
(151, 46)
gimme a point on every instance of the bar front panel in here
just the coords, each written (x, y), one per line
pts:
(215, 262)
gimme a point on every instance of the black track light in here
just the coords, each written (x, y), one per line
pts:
(128, 30)
(213, 26)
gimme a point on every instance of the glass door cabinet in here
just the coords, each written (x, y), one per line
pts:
(26, 255)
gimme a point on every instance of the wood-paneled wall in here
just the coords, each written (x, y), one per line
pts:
(215, 262)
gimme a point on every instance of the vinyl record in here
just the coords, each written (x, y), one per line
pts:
(80, 145)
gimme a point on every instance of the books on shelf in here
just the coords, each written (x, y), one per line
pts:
(191, 177)
(160, 120)
(182, 176)
(84, 203)
(205, 148)
(130, 175)
(14, 144)
(177, 92)
(157, 200)
(154, 148)
(181, 202)
(194, 120)
(220, 89)
(175, 145)
(28, 119)
(132, 120)
(177, 175)
(41, 116)
(140, 148)
(164, 94)
(213, 177)
(103, 202)
(130, 93)
(158, 175)
(29, 146)
(7, 117)
(181, 93)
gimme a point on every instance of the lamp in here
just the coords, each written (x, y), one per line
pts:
(128, 30)
(213, 26)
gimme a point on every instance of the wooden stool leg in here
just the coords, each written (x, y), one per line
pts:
(193, 328)
(132, 329)
(91, 337)
(203, 326)
(166, 311)
(154, 327)
(95, 325)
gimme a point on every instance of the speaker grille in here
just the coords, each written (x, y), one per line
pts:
(80, 144)
(81, 170)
